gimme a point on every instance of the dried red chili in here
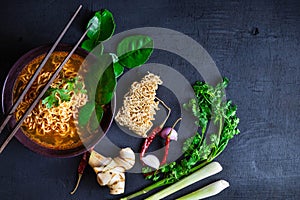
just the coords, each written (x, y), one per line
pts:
(81, 167)
(167, 146)
(154, 132)
(149, 140)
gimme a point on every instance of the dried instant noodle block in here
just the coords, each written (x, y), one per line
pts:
(139, 105)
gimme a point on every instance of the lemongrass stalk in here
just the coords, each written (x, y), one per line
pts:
(163, 182)
(207, 191)
(145, 190)
(202, 173)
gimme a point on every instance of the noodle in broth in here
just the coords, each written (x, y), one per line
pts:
(54, 127)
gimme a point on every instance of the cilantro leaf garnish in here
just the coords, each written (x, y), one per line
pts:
(54, 94)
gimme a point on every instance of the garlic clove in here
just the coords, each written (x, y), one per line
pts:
(151, 161)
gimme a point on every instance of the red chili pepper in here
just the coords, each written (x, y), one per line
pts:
(152, 135)
(81, 167)
(83, 163)
(154, 132)
(148, 141)
(167, 146)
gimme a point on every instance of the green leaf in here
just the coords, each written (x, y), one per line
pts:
(102, 26)
(106, 86)
(94, 31)
(88, 45)
(85, 113)
(98, 49)
(100, 80)
(94, 74)
(91, 46)
(133, 51)
(119, 69)
(90, 114)
(96, 117)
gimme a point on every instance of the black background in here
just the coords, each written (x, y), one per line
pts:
(254, 43)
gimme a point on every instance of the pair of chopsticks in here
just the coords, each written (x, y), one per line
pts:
(36, 100)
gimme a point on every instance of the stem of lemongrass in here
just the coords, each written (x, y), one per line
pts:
(207, 191)
(200, 174)
(160, 183)
(146, 190)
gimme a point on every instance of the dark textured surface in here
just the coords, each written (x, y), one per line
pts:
(254, 43)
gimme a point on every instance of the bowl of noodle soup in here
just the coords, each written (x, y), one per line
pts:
(51, 128)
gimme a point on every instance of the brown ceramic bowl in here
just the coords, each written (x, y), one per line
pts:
(7, 100)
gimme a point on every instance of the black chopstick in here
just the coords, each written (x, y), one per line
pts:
(36, 73)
